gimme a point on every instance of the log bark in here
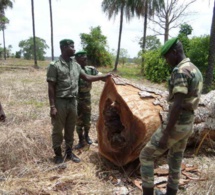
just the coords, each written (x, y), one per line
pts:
(130, 113)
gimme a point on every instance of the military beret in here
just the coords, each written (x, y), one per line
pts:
(80, 53)
(167, 46)
(66, 42)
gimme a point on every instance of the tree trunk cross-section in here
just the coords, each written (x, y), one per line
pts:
(129, 114)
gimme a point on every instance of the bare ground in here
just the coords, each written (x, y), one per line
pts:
(26, 165)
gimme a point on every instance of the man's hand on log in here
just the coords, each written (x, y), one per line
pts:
(108, 75)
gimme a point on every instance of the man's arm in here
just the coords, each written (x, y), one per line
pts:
(173, 117)
(2, 114)
(92, 78)
(51, 93)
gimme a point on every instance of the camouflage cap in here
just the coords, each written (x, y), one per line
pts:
(80, 53)
(167, 46)
(66, 42)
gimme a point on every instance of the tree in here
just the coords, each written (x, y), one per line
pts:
(152, 43)
(170, 16)
(34, 36)
(4, 4)
(27, 48)
(198, 52)
(146, 9)
(51, 27)
(123, 55)
(3, 21)
(211, 56)
(96, 46)
(112, 8)
(185, 30)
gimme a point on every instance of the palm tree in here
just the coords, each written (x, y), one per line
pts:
(4, 4)
(34, 37)
(51, 26)
(112, 8)
(145, 8)
(211, 56)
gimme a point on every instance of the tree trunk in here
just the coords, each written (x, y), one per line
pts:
(119, 40)
(4, 44)
(144, 34)
(211, 56)
(34, 37)
(129, 114)
(51, 26)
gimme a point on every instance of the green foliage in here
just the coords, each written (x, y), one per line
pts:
(123, 56)
(185, 29)
(152, 43)
(3, 21)
(155, 69)
(18, 54)
(185, 41)
(1, 52)
(27, 48)
(198, 53)
(96, 46)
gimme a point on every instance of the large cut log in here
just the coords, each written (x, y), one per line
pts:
(129, 114)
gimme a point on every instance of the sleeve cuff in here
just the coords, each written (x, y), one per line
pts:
(51, 79)
(179, 89)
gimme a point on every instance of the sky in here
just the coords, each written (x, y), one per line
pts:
(72, 17)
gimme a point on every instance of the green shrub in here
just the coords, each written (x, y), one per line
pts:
(198, 52)
(155, 67)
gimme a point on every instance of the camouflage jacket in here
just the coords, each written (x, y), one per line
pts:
(187, 79)
(66, 76)
(85, 86)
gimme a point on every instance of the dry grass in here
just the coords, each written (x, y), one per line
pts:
(26, 165)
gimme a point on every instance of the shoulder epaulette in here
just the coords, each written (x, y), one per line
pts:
(54, 62)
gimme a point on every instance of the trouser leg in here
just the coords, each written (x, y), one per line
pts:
(175, 157)
(58, 123)
(147, 157)
(80, 137)
(70, 122)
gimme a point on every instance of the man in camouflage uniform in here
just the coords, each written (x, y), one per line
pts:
(84, 101)
(185, 86)
(62, 77)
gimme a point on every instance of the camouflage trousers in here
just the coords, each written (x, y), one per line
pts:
(84, 115)
(65, 119)
(176, 145)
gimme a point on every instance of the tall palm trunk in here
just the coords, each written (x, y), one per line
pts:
(119, 40)
(34, 37)
(4, 44)
(51, 26)
(211, 56)
(144, 34)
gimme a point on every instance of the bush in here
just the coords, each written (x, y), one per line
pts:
(18, 54)
(198, 52)
(155, 67)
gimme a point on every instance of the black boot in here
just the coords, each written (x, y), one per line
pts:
(86, 136)
(148, 191)
(81, 141)
(71, 156)
(171, 191)
(58, 156)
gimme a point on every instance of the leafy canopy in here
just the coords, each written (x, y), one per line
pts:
(96, 46)
(27, 48)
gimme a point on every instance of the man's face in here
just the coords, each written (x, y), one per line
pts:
(70, 50)
(171, 57)
(82, 60)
